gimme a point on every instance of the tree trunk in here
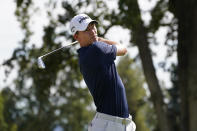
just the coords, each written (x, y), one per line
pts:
(187, 63)
(151, 78)
(183, 73)
(192, 64)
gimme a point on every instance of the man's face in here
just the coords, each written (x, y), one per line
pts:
(88, 36)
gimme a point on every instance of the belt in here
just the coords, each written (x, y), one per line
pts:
(124, 121)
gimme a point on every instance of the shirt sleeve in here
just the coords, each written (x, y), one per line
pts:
(106, 52)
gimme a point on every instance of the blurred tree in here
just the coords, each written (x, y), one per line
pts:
(133, 81)
(174, 100)
(9, 111)
(129, 16)
(186, 49)
(3, 124)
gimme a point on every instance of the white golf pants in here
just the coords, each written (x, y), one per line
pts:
(104, 122)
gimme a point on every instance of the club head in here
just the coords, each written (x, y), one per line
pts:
(41, 63)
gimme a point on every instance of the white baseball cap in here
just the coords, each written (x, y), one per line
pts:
(80, 23)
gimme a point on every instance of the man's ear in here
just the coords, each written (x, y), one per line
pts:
(75, 36)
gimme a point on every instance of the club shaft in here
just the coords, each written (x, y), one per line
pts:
(58, 49)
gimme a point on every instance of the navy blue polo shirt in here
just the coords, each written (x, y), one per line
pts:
(99, 71)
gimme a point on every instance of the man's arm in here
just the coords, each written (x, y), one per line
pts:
(121, 50)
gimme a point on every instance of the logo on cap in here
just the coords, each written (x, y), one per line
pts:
(82, 19)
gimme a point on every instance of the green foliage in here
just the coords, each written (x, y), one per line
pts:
(130, 17)
(157, 14)
(3, 124)
(128, 8)
(133, 81)
(9, 110)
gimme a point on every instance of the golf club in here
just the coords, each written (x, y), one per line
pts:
(40, 61)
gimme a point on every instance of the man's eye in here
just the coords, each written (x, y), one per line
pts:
(87, 29)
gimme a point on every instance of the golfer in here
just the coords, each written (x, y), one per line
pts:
(96, 60)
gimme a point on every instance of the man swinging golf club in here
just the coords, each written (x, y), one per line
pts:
(96, 60)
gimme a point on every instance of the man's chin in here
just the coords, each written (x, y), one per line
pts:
(95, 39)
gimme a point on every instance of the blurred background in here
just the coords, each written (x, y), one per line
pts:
(159, 71)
